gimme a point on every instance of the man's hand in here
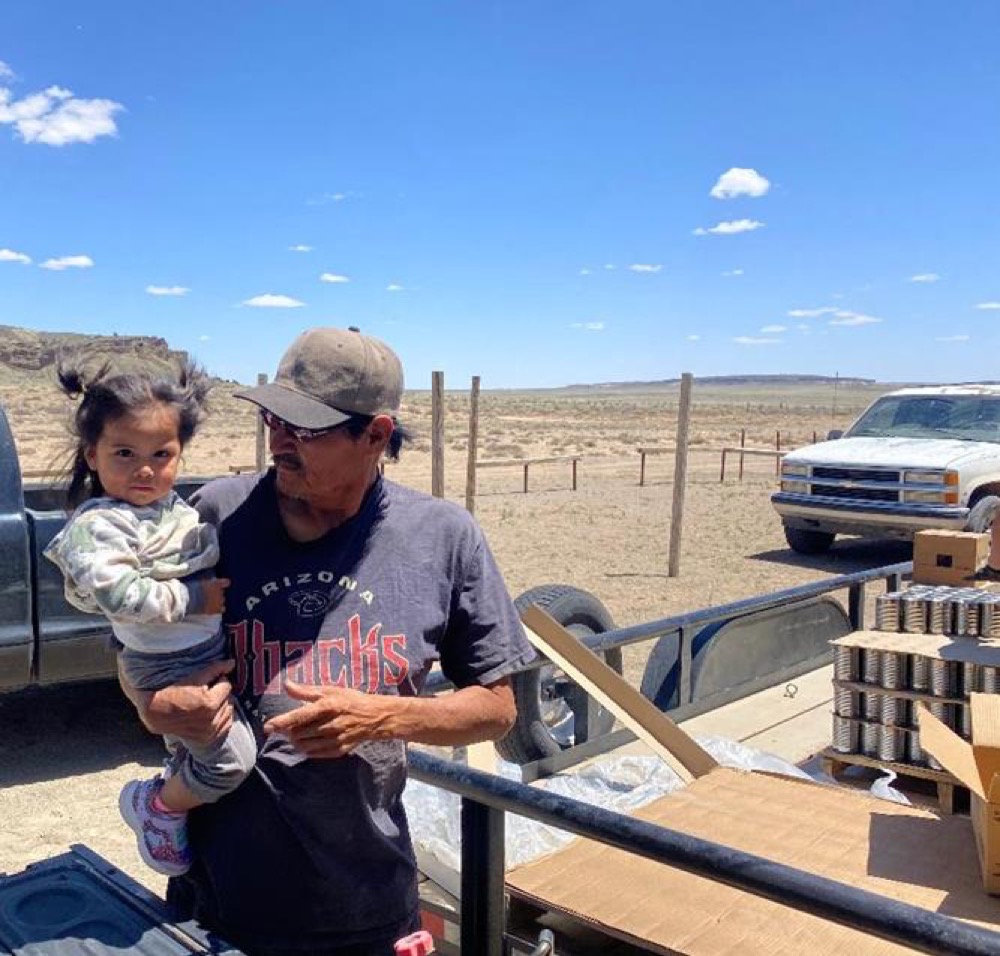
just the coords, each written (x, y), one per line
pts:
(333, 720)
(213, 592)
(197, 709)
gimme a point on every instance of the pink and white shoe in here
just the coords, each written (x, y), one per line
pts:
(161, 837)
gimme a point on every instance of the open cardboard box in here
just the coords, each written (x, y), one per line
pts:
(977, 766)
(902, 852)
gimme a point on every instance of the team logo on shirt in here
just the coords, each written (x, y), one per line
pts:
(309, 603)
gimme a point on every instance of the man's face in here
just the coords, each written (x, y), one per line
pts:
(333, 467)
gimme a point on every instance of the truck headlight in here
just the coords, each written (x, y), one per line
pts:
(924, 477)
(791, 469)
(796, 487)
(924, 497)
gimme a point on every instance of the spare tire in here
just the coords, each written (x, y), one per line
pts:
(545, 721)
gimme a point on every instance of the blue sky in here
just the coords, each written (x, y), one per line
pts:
(526, 191)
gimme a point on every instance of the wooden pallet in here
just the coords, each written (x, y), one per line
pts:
(834, 763)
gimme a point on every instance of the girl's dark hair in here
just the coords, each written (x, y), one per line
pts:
(356, 425)
(105, 397)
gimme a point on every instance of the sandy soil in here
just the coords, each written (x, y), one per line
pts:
(65, 753)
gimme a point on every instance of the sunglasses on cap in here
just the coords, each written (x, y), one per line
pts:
(298, 433)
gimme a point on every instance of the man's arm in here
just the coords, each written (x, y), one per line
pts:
(197, 709)
(333, 720)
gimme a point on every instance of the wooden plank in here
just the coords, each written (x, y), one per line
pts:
(260, 455)
(736, 450)
(639, 714)
(680, 476)
(473, 447)
(507, 462)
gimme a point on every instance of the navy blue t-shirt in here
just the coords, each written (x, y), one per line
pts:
(312, 853)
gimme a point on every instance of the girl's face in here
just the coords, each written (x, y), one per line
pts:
(138, 454)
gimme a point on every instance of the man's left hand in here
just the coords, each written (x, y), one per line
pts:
(332, 720)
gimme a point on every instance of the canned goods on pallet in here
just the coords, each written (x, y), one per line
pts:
(845, 735)
(942, 681)
(960, 616)
(914, 613)
(891, 741)
(989, 680)
(920, 673)
(913, 752)
(845, 663)
(869, 739)
(970, 678)
(989, 616)
(871, 706)
(845, 702)
(965, 721)
(887, 615)
(894, 712)
(870, 666)
(893, 670)
(938, 614)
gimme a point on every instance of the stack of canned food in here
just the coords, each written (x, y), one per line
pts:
(931, 609)
(883, 725)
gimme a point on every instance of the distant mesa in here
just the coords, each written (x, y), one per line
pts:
(25, 351)
(723, 380)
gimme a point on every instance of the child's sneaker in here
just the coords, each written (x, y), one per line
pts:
(162, 837)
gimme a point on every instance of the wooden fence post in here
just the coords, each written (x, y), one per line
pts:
(743, 442)
(437, 434)
(777, 458)
(260, 458)
(473, 452)
(680, 474)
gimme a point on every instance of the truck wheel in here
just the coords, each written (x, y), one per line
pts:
(982, 513)
(545, 721)
(808, 542)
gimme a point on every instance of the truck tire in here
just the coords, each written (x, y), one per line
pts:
(982, 513)
(544, 723)
(808, 542)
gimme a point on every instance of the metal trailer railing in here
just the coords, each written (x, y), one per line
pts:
(486, 797)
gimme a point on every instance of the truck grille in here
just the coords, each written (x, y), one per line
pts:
(856, 484)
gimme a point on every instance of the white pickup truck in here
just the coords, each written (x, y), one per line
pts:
(917, 458)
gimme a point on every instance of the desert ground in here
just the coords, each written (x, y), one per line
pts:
(64, 753)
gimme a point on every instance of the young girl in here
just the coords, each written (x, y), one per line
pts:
(135, 552)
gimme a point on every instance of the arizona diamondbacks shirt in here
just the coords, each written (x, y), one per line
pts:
(308, 853)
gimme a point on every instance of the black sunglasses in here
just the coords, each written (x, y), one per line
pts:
(297, 432)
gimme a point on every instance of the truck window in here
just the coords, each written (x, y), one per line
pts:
(963, 417)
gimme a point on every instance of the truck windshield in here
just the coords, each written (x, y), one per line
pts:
(965, 417)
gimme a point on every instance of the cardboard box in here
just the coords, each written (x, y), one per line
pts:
(948, 557)
(977, 766)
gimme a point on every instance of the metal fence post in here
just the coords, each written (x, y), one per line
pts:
(482, 930)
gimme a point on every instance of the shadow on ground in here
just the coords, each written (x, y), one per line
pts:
(845, 557)
(59, 732)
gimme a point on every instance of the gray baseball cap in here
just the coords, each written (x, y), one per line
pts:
(327, 375)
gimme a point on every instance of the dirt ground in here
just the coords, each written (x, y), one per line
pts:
(65, 753)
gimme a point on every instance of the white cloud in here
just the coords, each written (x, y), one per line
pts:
(204, 338)
(748, 340)
(300, 248)
(740, 182)
(988, 306)
(774, 328)
(167, 290)
(925, 277)
(394, 287)
(844, 317)
(6, 73)
(588, 326)
(644, 267)
(730, 228)
(56, 117)
(68, 262)
(334, 278)
(323, 198)
(610, 265)
(584, 272)
(812, 313)
(9, 255)
(733, 272)
(693, 338)
(952, 338)
(270, 301)
(802, 327)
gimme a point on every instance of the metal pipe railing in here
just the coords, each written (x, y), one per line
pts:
(900, 922)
